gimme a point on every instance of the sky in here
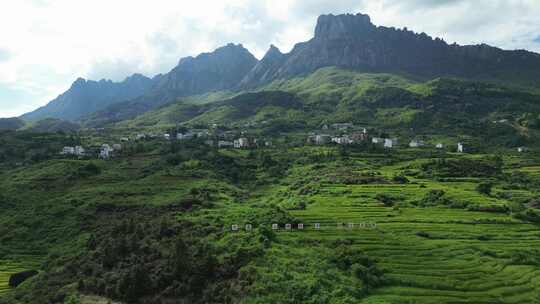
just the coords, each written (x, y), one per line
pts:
(45, 45)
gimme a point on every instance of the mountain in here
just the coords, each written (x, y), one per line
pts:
(344, 41)
(52, 125)
(11, 123)
(352, 41)
(220, 70)
(88, 96)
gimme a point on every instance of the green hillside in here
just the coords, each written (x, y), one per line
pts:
(156, 224)
(181, 221)
(490, 113)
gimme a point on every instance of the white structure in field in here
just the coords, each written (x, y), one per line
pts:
(377, 140)
(416, 143)
(117, 147)
(522, 149)
(105, 151)
(167, 136)
(300, 226)
(343, 140)
(140, 136)
(241, 143)
(124, 139)
(390, 142)
(460, 148)
(77, 150)
(439, 146)
(68, 151)
(275, 226)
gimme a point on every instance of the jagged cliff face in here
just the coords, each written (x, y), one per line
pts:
(266, 69)
(87, 96)
(222, 69)
(352, 41)
(346, 41)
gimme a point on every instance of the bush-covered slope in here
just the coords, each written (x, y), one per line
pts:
(397, 104)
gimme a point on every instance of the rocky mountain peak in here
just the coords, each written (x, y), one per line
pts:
(340, 26)
(80, 82)
(273, 52)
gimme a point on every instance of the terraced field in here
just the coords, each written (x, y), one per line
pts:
(17, 264)
(429, 255)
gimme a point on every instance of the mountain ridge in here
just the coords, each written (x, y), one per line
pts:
(348, 41)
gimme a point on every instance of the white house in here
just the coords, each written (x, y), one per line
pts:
(79, 151)
(167, 136)
(377, 140)
(140, 136)
(439, 146)
(460, 148)
(343, 140)
(522, 149)
(389, 142)
(105, 151)
(68, 151)
(124, 139)
(416, 143)
(241, 143)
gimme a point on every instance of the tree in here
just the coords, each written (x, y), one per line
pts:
(484, 188)
(370, 275)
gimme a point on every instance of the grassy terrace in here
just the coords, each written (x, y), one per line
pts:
(429, 254)
(463, 247)
(14, 265)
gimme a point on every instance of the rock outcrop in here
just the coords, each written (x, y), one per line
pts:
(352, 41)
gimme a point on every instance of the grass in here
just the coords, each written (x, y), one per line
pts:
(429, 254)
(13, 265)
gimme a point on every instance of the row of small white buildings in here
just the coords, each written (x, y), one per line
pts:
(105, 150)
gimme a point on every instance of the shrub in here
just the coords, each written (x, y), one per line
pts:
(386, 199)
(484, 188)
(423, 234)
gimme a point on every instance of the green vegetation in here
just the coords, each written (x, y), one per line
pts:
(481, 114)
(186, 222)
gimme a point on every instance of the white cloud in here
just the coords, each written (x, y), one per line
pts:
(47, 44)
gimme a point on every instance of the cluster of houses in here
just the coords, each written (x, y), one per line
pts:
(226, 139)
(338, 133)
(104, 151)
(362, 136)
(77, 151)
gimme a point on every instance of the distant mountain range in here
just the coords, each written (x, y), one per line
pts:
(345, 41)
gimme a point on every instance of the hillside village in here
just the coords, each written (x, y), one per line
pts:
(343, 134)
